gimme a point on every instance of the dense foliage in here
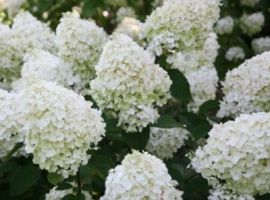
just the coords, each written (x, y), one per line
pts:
(143, 100)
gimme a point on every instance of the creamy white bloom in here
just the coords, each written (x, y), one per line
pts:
(10, 123)
(238, 154)
(32, 33)
(26, 34)
(43, 65)
(125, 12)
(80, 42)
(130, 27)
(203, 86)
(59, 126)
(140, 176)
(249, 3)
(55, 194)
(224, 25)
(246, 88)
(252, 24)
(260, 45)
(12, 6)
(235, 54)
(180, 25)
(163, 142)
(190, 61)
(219, 193)
(129, 83)
(10, 54)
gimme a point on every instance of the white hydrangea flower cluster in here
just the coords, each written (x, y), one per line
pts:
(260, 45)
(235, 54)
(10, 54)
(43, 65)
(10, 123)
(224, 25)
(249, 3)
(26, 34)
(59, 126)
(180, 25)
(140, 176)
(55, 194)
(198, 67)
(32, 34)
(252, 24)
(80, 42)
(246, 88)
(163, 142)
(190, 61)
(130, 27)
(129, 83)
(238, 154)
(203, 86)
(220, 193)
(12, 6)
(124, 12)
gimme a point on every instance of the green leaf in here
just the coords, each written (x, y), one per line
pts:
(112, 131)
(138, 140)
(64, 186)
(263, 197)
(54, 178)
(180, 86)
(24, 179)
(69, 197)
(201, 130)
(175, 171)
(80, 196)
(209, 107)
(7, 166)
(90, 8)
(198, 126)
(166, 121)
(196, 188)
(86, 173)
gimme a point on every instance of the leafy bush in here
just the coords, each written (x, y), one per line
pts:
(160, 72)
